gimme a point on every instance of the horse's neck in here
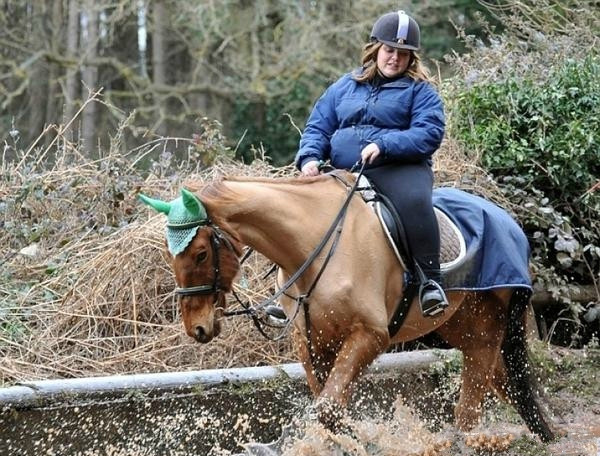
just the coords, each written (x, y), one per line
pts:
(283, 221)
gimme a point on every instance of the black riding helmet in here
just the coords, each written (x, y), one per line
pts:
(397, 30)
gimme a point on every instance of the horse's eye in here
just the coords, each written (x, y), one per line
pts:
(201, 257)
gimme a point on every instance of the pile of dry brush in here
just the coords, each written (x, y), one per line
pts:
(86, 288)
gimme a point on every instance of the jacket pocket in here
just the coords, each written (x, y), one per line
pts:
(346, 145)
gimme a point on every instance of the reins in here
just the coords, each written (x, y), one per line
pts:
(302, 300)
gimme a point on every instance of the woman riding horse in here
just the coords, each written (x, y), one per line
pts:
(387, 114)
(344, 324)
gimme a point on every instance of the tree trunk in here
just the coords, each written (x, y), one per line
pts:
(38, 76)
(56, 40)
(90, 77)
(581, 294)
(159, 63)
(142, 39)
(72, 51)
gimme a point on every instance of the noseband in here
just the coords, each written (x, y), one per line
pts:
(215, 288)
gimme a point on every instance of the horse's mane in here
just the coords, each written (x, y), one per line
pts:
(212, 194)
(292, 180)
(217, 193)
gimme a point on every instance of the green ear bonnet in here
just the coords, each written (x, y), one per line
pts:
(184, 216)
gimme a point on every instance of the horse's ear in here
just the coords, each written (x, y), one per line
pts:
(193, 204)
(157, 205)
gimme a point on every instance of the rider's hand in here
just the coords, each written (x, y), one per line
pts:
(310, 168)
(370, 153)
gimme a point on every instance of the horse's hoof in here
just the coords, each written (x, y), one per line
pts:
(330, 415)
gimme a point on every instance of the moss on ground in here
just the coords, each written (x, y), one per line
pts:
(564, 370)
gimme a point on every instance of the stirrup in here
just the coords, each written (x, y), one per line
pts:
(432, 299)
(276, 312)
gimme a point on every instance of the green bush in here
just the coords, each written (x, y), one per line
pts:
(546, 133)
(540, 140)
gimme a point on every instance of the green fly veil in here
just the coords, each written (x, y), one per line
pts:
(184, 216)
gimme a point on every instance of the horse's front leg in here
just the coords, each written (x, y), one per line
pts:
(358, 350)
(315, 374)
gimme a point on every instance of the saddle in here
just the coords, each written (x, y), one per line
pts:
(452, 243)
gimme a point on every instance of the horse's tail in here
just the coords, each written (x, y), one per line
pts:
(520, 381)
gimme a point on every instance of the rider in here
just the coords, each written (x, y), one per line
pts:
(388, 115)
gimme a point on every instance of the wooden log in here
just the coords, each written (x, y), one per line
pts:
(582, 294)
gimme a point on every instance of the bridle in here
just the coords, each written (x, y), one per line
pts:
(217, 238)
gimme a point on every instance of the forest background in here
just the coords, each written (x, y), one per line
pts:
(255, 66)
(99, 100)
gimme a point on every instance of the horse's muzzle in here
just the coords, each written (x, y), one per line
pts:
(201, 335)
(204, 332)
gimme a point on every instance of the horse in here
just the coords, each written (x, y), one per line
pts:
(352, 299)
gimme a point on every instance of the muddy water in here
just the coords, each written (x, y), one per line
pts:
(406, 434)
(207, 421)
(182, 426)
(408, 414)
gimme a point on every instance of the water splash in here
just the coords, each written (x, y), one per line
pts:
(404, 434)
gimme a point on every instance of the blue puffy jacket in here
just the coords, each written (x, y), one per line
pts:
(404, 117)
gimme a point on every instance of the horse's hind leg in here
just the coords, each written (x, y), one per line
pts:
(495, 356)
(475, 385)
(477, 329)
(519, 386)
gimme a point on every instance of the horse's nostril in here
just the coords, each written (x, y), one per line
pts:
(200, 333)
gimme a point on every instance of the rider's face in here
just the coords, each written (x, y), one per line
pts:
(392, 62)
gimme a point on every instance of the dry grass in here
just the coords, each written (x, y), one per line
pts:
(93, 295)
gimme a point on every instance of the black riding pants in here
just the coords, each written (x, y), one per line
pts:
(409, 187)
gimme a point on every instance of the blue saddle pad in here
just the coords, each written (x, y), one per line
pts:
(497, 250)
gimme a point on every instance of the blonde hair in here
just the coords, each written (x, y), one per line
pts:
(416, 69)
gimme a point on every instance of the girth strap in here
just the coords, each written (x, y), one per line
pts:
(408, 294)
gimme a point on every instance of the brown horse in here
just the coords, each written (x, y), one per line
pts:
(354, 300)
